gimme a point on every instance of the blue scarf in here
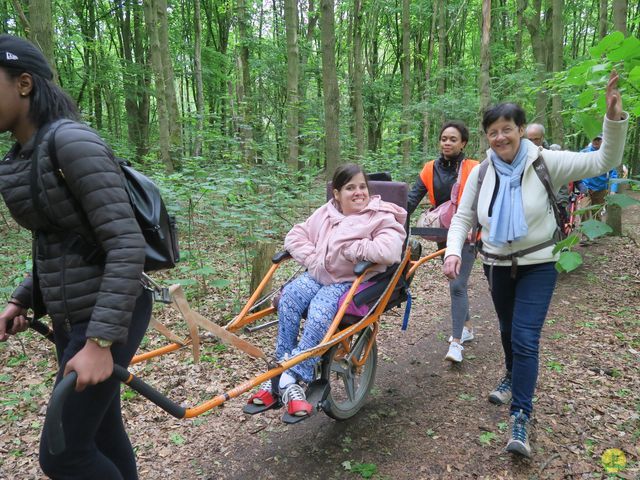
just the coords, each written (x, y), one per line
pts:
(508, 222)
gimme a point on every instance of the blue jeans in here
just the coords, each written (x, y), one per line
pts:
(97, 444)
(522, 304)
(322, 303)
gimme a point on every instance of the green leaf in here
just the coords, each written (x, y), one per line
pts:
(627, 50)
(606, 44)
(366, 470)
(568, 262)
(595, 228)
(589, 124)
(206, 270)
(486, 437)
(586, 98)
(177, 439)
(621, 200)
(634, 76)
(567, 243)
(220, 283)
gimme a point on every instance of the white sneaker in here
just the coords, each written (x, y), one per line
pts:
(467, 335)
(454, 354)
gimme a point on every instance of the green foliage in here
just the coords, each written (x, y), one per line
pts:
(366, 470)
(486, 438)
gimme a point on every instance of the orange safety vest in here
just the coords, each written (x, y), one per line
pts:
(426, 175)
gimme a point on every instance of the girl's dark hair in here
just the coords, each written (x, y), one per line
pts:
(458, 125)
(346, 172)
(508, 111)
(48, 101)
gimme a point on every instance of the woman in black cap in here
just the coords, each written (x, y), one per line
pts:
(88, 256)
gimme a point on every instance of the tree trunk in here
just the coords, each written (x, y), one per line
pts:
(602, 19)
(426, 119)
(358, 80)
(244, 85)
(406, 83)
(175, 125)
(538, 35)
(521, 6)
(620, 16)
(485, 64)
(330, 88)
(164, 134)
(557, 126)
(293, 69)
(41, 30)
(442, 46)
(197, 64)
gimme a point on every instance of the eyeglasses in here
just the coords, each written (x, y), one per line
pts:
(504, 132)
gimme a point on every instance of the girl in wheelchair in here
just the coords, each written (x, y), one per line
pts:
(351, 227)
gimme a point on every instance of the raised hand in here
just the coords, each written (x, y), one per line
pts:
(614, 99)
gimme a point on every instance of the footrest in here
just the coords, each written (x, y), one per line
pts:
(316, 393)
(252, 408)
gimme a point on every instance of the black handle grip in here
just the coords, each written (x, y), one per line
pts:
(42, 328)
(280, 256)
(362, 266)
(148, 392)
(53, 418)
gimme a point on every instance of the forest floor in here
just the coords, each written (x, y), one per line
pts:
(424, 418)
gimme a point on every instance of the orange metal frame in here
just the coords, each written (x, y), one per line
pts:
(333, 336)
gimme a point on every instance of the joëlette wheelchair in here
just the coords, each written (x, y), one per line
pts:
(348, 351)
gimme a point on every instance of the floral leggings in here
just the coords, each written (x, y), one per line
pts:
(322, 303)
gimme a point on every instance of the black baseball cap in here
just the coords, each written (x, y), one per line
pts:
(18, 53)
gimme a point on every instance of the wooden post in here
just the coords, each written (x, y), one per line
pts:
(261, 264)
(614, 219)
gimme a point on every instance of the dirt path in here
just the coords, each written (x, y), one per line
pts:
(425, 419)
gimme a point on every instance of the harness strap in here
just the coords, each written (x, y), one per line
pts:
(514, 256)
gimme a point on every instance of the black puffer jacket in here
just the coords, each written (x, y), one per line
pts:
(90, 207)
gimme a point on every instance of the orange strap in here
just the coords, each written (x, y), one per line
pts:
(426, 175)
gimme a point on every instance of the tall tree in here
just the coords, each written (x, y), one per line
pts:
(197, 72)
(358, 81)
(293, 69)
(331, 94)
(243, 87)
(426, 118)
(164, 117)
(485, 63)
(620, 16)
(602, 18)
(40, 29)
(406, 82)
(557, 128)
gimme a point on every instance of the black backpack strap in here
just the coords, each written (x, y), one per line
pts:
(475, 230)
(540, 167)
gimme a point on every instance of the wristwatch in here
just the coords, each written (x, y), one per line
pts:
(101, 342)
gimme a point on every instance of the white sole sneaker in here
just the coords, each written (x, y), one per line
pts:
(454, 355)
(467, 336)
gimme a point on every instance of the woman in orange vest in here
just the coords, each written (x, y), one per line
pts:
(437, 179)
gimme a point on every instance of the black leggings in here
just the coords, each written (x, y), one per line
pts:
(97, 444)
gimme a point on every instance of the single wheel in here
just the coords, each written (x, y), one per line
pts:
(350, 382)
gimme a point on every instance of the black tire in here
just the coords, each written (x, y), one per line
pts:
(350, 385)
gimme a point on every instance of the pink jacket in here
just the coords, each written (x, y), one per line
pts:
(330, 244)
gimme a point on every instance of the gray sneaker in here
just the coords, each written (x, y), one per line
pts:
(502, 394)
(519, 441)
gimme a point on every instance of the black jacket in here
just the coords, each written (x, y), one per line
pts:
(445, 174)
(89, 208)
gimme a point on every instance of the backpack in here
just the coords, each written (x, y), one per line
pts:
(158, 227)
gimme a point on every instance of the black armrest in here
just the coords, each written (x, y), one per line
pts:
(361, 266)
(280, 256)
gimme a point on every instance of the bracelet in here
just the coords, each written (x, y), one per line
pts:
(16, 303)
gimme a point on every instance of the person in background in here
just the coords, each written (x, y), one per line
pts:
(351, 227)
(535, 132)
(597, 187)
(437, 179)
(518, 230)
(98, 308)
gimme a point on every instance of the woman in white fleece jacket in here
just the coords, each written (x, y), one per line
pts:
(515, 215)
